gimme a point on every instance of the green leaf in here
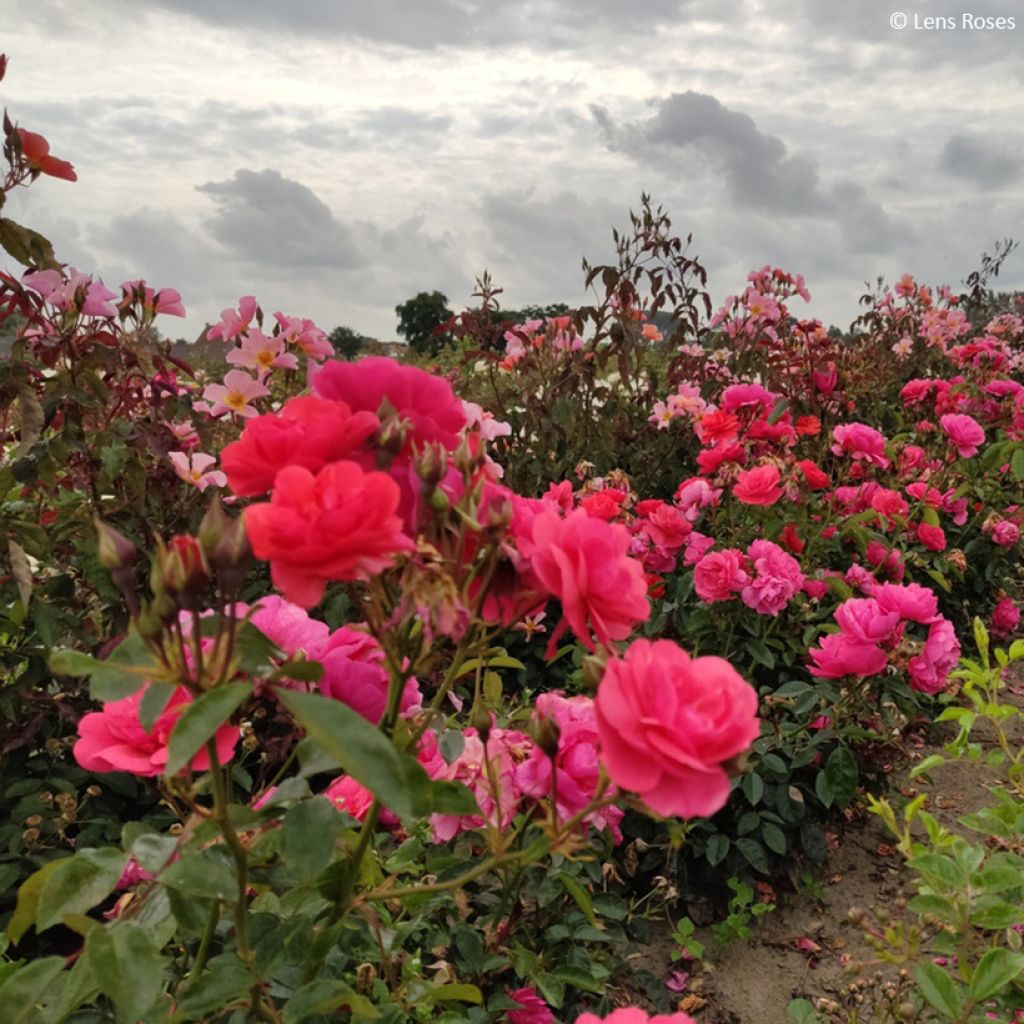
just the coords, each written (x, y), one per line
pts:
(802, 1012)
(841, 772)
(774, 838)
(299, 671)
(930, 762)
(200, 720)
(717, 848)
(754, 852)
(579, 894)
(127, 967)
(995, 970)
(455, 993)
(940, 990)
(154, 702)
(206, 875)
(224, 980)
(28, 247)
(578, 978)
(942, 873)
(119, 675)
(753, 788)
(396, 778)
(22, 992)
(84, 880)
(309, 832)
(1017, 464)
(25, 911)
(325, 996)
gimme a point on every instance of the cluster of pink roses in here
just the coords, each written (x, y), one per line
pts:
(765, 578)
(533, 1010)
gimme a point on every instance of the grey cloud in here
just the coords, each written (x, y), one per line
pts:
(402, 122)
(263, 216)
(979, 161)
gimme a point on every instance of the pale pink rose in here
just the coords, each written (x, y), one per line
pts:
(290, 627)
(720, 575)
(668, 724)
(262, 354)
(778, 578)
(964, 431)
(235, 395)
(195, 469)
(697, 546)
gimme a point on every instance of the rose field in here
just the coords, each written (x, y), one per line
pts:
(654, 660)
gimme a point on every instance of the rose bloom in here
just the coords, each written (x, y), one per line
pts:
(930, 669)
(576, 762)
(863, 620)
(720, 575)
(113, 740)
(758, 486)
(583, 563)
(668, 723)
(425, 401)
(778, 578)
(355, 799)
(1005, 533)
(964, 431)
(838, 655)
(308, 432)
(633, 1015)
(816, 478)
(910, 601)
(932, 537)
(709, 460)
(860, 441)
(337, 525)
(533, 1009)
(1005, 617)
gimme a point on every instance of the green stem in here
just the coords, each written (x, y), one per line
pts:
(204, 944)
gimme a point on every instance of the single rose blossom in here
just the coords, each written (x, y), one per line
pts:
(932, 537)
(1005, 533)
(668, 723)
(1005, 617)
(337, 525)
(533, 1009)
(113, 740)
(758, 486)
(838, 655)
(633, 1015)
(965, 432)
(195, 469)
(720, 575)
(860, 441)
(36, 152)
(235, 395)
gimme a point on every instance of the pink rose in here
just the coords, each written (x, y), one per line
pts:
(758, 486)
(910, 601)
(932, 537)
(113, 740)
(964, 431)
(720, 575)
(1005, 533)
(668, 723)
(930, 669)
(860, 441)
(355, 799)
(584, 563)
(778, 578)
(632, 1015)
(1005, 617)
(838, 655)
(533, 1009)
(863, 620)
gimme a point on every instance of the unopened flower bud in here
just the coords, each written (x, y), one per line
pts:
(469, 456)
(593, 671)
(439, 501)
(546, 732)
(149, 624)
(480, 719)
(430, 465)
(184, 572)
(114, 550)
(232, 558)
(212, 528)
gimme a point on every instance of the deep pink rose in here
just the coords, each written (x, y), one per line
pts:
(1005, 533)
(863, 620)
(965, 432)
(113, 740)
(337, 525)
(860, 441)
(584, 563)
(777, 578)
(425, 401)
(838, 655)
(533, 1009)
(633, 1015)
(355, 799)
(1005, 617)
(668, 723)
(931, 536)
(910, 601)
(930, 669)
(308, 432)
(720, 575)
(758, 486)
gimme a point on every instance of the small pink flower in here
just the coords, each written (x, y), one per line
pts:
(1005, 617)
(235, 395)
(860, 441)
(232, 322)
(196, 469)
(1005, 533)
(262, 354)
(720, 575)
(634, 1015)
(758, 486)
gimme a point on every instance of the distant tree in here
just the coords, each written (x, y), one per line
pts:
(347, 344)
(419, 316)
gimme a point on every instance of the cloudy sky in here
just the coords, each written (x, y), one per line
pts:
(334, 157)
